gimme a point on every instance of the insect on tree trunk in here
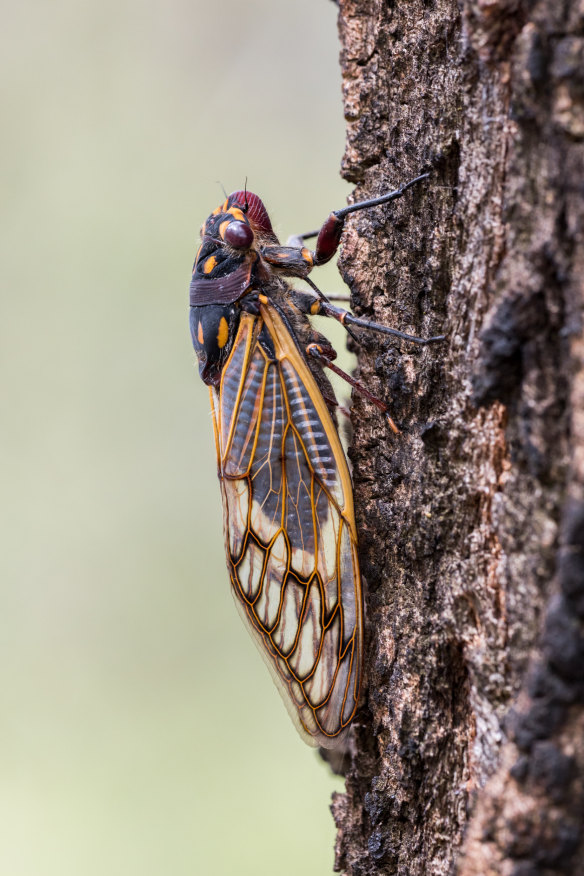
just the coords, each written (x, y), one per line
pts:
(468, 752)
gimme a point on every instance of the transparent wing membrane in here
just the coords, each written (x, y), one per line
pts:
(290, 529)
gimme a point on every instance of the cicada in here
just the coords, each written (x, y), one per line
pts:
(289, 521)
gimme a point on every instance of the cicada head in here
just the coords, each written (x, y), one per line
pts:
(232, 235)
(255, 212)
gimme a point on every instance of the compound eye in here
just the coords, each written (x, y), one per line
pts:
(238, 235)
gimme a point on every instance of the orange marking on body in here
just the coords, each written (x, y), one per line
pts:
(222, 333)
(264, 299)
(209, 264)
(307, 256)
(224, 206)
(315, 308)
(216, 211)
(392, 425)
(236, 213)
(343, 317)
(200, 335)
(222, 228)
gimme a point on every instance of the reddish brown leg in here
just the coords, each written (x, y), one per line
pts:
(322, 355)
(329, 236)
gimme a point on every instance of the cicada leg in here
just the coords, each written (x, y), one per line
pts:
(346, 299)
(296, 260)
(325, 308)
(325, 355)
(321, 306)
(328, 236)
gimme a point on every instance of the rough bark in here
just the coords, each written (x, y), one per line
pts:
(468, 754)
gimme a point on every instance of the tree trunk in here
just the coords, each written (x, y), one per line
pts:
(468, 751)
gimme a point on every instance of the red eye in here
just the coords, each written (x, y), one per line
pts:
(238, 235)
(256, 212)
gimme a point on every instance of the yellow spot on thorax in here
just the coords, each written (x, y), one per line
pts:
(237, 213)
(209, 264)
(223, 226)
(315, 308)
(200, 335)
(222, 333)
(263, 298)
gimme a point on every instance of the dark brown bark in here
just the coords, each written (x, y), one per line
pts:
(469, 750)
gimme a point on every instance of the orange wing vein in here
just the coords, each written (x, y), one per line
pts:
(289, 525)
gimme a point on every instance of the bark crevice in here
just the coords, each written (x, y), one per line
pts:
(467, 753)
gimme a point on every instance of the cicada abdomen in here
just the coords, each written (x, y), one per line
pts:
(289, 523)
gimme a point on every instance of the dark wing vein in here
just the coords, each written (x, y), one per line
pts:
(289, 528)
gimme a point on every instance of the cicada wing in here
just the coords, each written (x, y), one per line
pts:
(289, 526)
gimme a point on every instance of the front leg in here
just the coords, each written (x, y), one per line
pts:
(329, 235)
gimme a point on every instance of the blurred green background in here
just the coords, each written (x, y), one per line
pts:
(140, 731)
